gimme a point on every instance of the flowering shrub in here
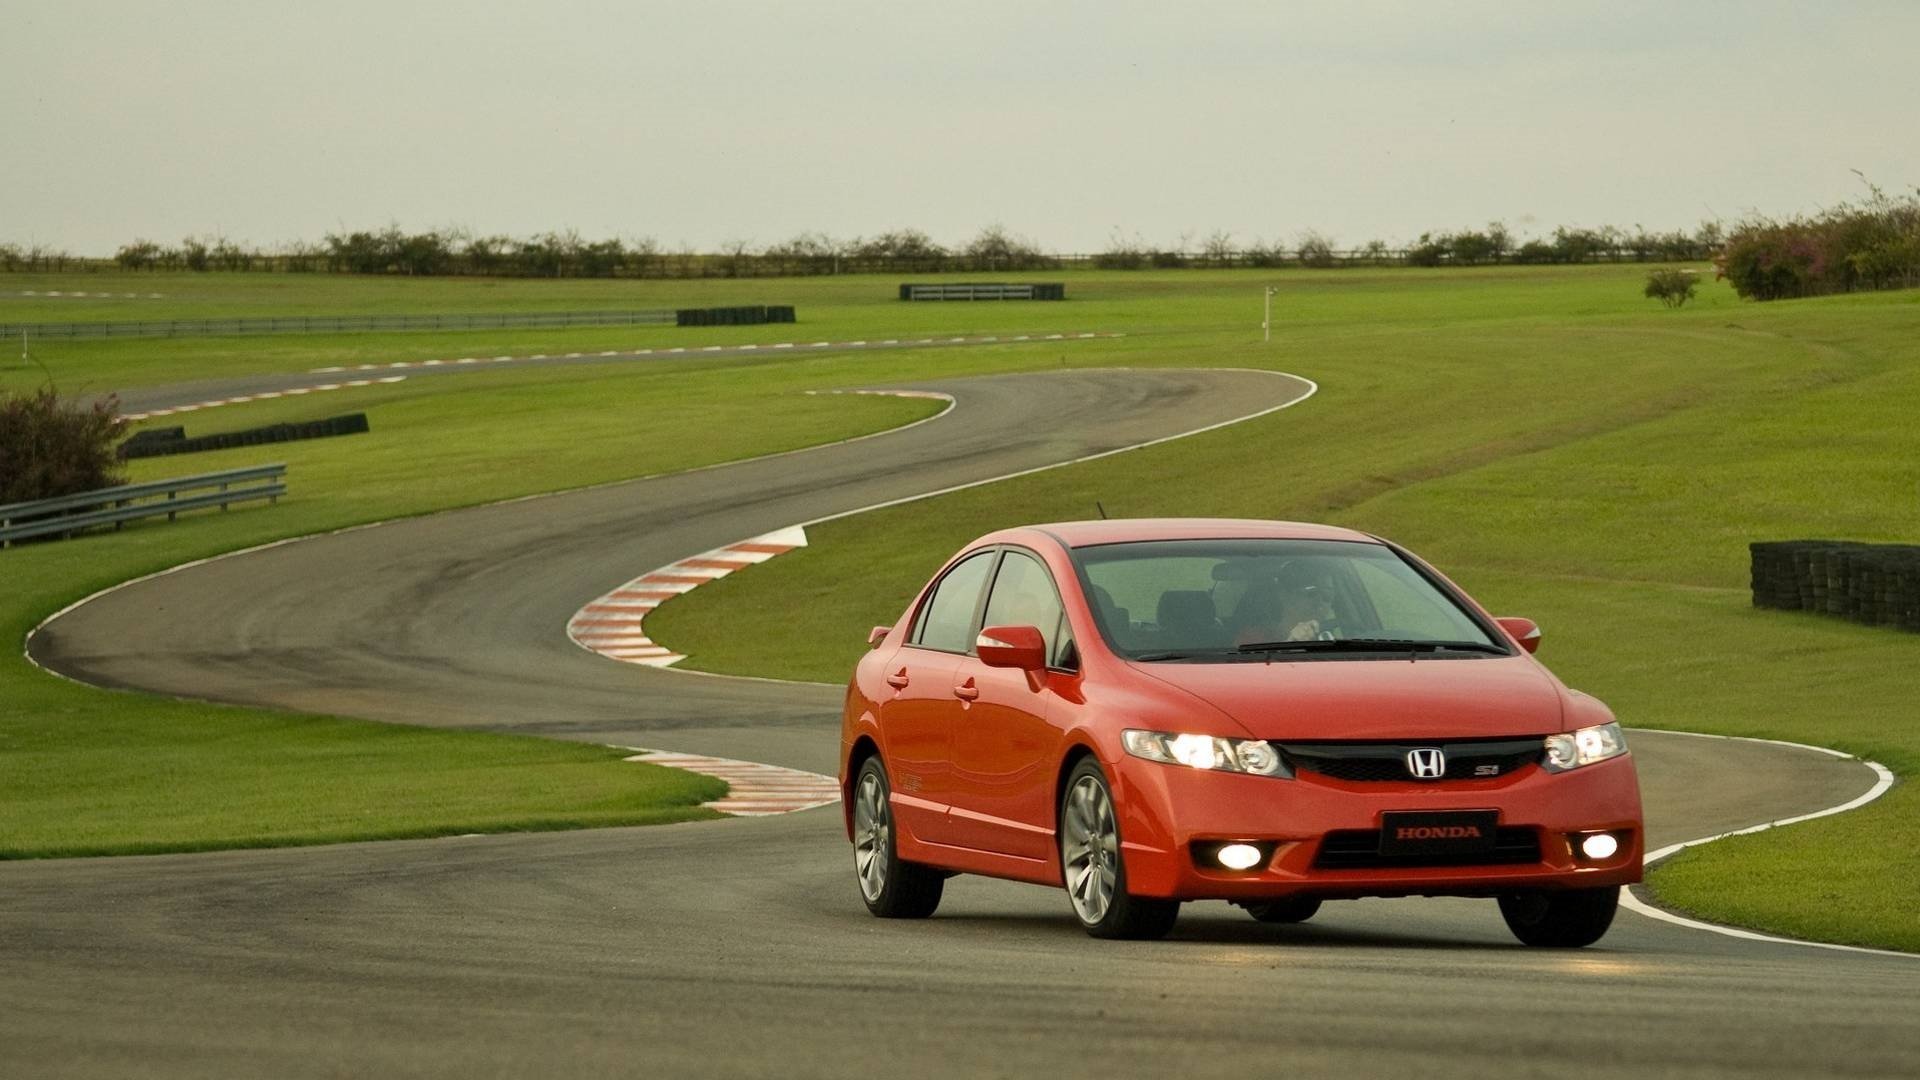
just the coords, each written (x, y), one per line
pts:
(1871, 245)
(51, 447)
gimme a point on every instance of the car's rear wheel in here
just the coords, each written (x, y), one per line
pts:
(892, 887)
(1290, 910)
(1566, 919)
(1091, 867)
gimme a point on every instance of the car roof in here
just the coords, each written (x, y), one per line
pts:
(1132, 530)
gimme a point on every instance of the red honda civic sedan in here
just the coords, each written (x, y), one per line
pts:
(1274, 714)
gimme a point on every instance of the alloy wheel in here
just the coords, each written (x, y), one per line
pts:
(872, 836)
(1090, 849)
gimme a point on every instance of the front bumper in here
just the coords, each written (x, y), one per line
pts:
(1168, 811)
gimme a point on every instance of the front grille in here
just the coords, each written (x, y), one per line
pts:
(1364, 762)
(1359, 849)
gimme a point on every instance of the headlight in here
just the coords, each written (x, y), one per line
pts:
(1204, 752)
(1584, 747)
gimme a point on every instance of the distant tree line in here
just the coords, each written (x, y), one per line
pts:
(569, 255)
(1873, 244)
(994, 249)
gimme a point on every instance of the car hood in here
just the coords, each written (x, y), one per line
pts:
(1327, 700)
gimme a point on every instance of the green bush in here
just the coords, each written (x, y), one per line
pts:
(51, 447)
(1430, 250)
(1671, 287)
(1315, 251)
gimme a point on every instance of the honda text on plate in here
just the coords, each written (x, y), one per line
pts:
(1273, 714)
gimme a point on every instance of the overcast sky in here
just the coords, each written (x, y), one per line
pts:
(706, 122)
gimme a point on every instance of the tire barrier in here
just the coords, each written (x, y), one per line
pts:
(158, 442)
(1875, 584)
(734, 316)
(985, 291)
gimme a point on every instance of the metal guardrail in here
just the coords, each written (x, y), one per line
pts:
(116, 506)
(334, 324)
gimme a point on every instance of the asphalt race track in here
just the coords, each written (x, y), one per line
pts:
(740, 947)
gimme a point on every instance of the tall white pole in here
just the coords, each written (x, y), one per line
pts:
(1266, 318)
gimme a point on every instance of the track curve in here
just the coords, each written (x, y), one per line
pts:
(739, 947)
(459, 619)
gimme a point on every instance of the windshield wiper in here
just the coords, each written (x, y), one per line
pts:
(1184, 655)
(1386, 645)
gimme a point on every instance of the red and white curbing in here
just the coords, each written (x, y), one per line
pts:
(753, 789)
(933, 395)
(612, 624)
(264, 395)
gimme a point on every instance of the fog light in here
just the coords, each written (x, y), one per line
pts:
(1599, 845)
(1238, 856)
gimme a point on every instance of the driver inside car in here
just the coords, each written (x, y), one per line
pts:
(1290, 606)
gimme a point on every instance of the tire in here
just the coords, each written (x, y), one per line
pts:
(1091, 869)
(892, 887)
(1570, 919)
(1292, 909)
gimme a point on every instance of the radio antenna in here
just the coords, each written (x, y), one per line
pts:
(1102, 509)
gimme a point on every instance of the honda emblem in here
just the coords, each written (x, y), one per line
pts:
(1427, 763)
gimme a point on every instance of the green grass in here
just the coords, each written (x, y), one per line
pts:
(1565, 448)
(164, 776)
(840, 308)
(84, 771)
(1564, 452)
(826, 307)
(1855, 901)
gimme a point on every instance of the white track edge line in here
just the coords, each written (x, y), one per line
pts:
(1632, 902)
(1883, 782)
(27, 641)
(1312, 389)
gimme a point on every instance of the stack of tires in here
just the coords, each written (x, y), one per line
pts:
(734, 316)
(1875, 584)
(161, 442)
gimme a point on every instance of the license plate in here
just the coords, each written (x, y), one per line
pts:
(1438, 832)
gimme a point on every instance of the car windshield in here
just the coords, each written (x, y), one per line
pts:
(1229, 600)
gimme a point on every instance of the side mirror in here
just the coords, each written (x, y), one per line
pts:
(877, 635)
(1019, 647)
(1524, 631)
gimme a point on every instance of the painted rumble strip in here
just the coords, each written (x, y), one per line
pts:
(612, 624)
(1313, 388)
(753, 789)
(265, 395)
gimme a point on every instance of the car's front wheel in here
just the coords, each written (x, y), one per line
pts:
(1566, 919)
(892, 887)
(1091, 867)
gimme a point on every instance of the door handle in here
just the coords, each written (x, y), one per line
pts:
(966, 691)
(898, 680)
